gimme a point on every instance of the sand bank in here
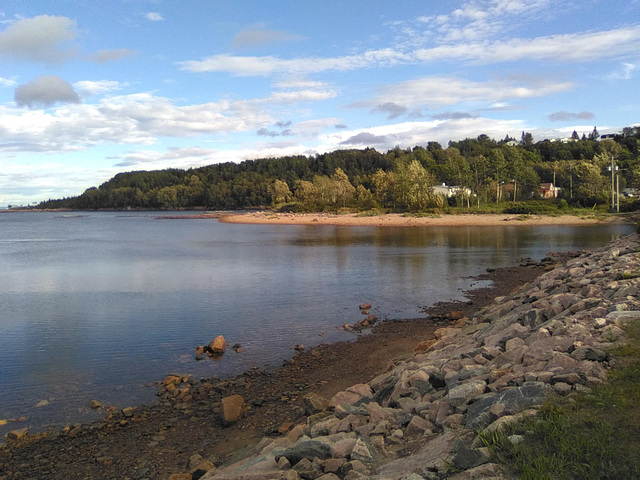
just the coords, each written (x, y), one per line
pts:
(399, 220)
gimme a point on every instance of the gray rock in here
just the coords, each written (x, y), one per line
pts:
(418, 426)
(307, 469)
(309, 450)
(466, 458)
(344, 410)
(431, 454)
(462, 394)
(589, 353)
(314, 403)
(623, 317)
(364, 451)
(486, 471)
(514, 399)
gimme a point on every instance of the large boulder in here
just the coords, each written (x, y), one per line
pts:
(514, 400)
(218, 345)
(309, 450)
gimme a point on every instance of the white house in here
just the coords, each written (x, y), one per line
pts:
(451, 190)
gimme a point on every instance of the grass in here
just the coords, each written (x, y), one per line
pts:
(422, 215)
(587, 436)
(374, 212)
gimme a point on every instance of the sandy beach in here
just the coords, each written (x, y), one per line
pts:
(399, 220)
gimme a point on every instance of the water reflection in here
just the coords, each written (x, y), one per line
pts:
(116, 302)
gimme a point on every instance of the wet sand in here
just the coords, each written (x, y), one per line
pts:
(400, 220)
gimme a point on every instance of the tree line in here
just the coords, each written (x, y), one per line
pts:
(399, 180)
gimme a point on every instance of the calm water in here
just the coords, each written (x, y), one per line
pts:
(98, 305)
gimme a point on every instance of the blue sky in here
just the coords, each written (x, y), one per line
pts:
(92, 88)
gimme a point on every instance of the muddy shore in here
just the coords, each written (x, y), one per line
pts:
(158, 440)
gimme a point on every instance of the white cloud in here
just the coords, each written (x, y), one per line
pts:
(437, 92)
(45, 91)
(172, 157)
(624, 73)
(8, 82)
(579, 47)
(312, 128)
(88, 88)
(269, 65)
(477, 21)
(296, 96)
(43, 39)
(410, 134)
(139, 118)
(154, 17)
(297, 83)
(28, 182)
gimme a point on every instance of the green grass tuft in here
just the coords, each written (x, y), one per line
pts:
(587, 436)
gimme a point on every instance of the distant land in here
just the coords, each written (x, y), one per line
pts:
(468, 173)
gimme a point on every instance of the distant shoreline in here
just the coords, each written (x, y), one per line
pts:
(267, 217)
(399, 220)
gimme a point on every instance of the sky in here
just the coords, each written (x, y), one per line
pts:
(91, 88)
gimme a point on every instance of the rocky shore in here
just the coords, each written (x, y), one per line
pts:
(405, 402)
(420, 419)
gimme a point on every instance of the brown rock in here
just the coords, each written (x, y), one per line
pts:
(285, 427)
(445, 332)
(95, 404)
(365, 306)
(218, 346)
(232, 409)
(203, 467)
(180, 476)
(17, 434)
(128, 411)
(314, 403)
(424, 345)
(172, 380)
(200, 349)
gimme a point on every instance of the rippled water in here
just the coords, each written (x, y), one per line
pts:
(99, 305)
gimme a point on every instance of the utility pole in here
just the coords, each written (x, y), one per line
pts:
(617, 191)
(613, 191)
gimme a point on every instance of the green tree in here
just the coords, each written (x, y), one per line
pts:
(384, 184)
(498, 170)
(280, 192)
(343, 188)
(364, 198)
(305, 194)
(414, 187)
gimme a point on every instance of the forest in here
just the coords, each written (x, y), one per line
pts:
(482, 170)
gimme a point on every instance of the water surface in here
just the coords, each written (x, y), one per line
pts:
(102, 304)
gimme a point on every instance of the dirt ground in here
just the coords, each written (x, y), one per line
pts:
(156, 441)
